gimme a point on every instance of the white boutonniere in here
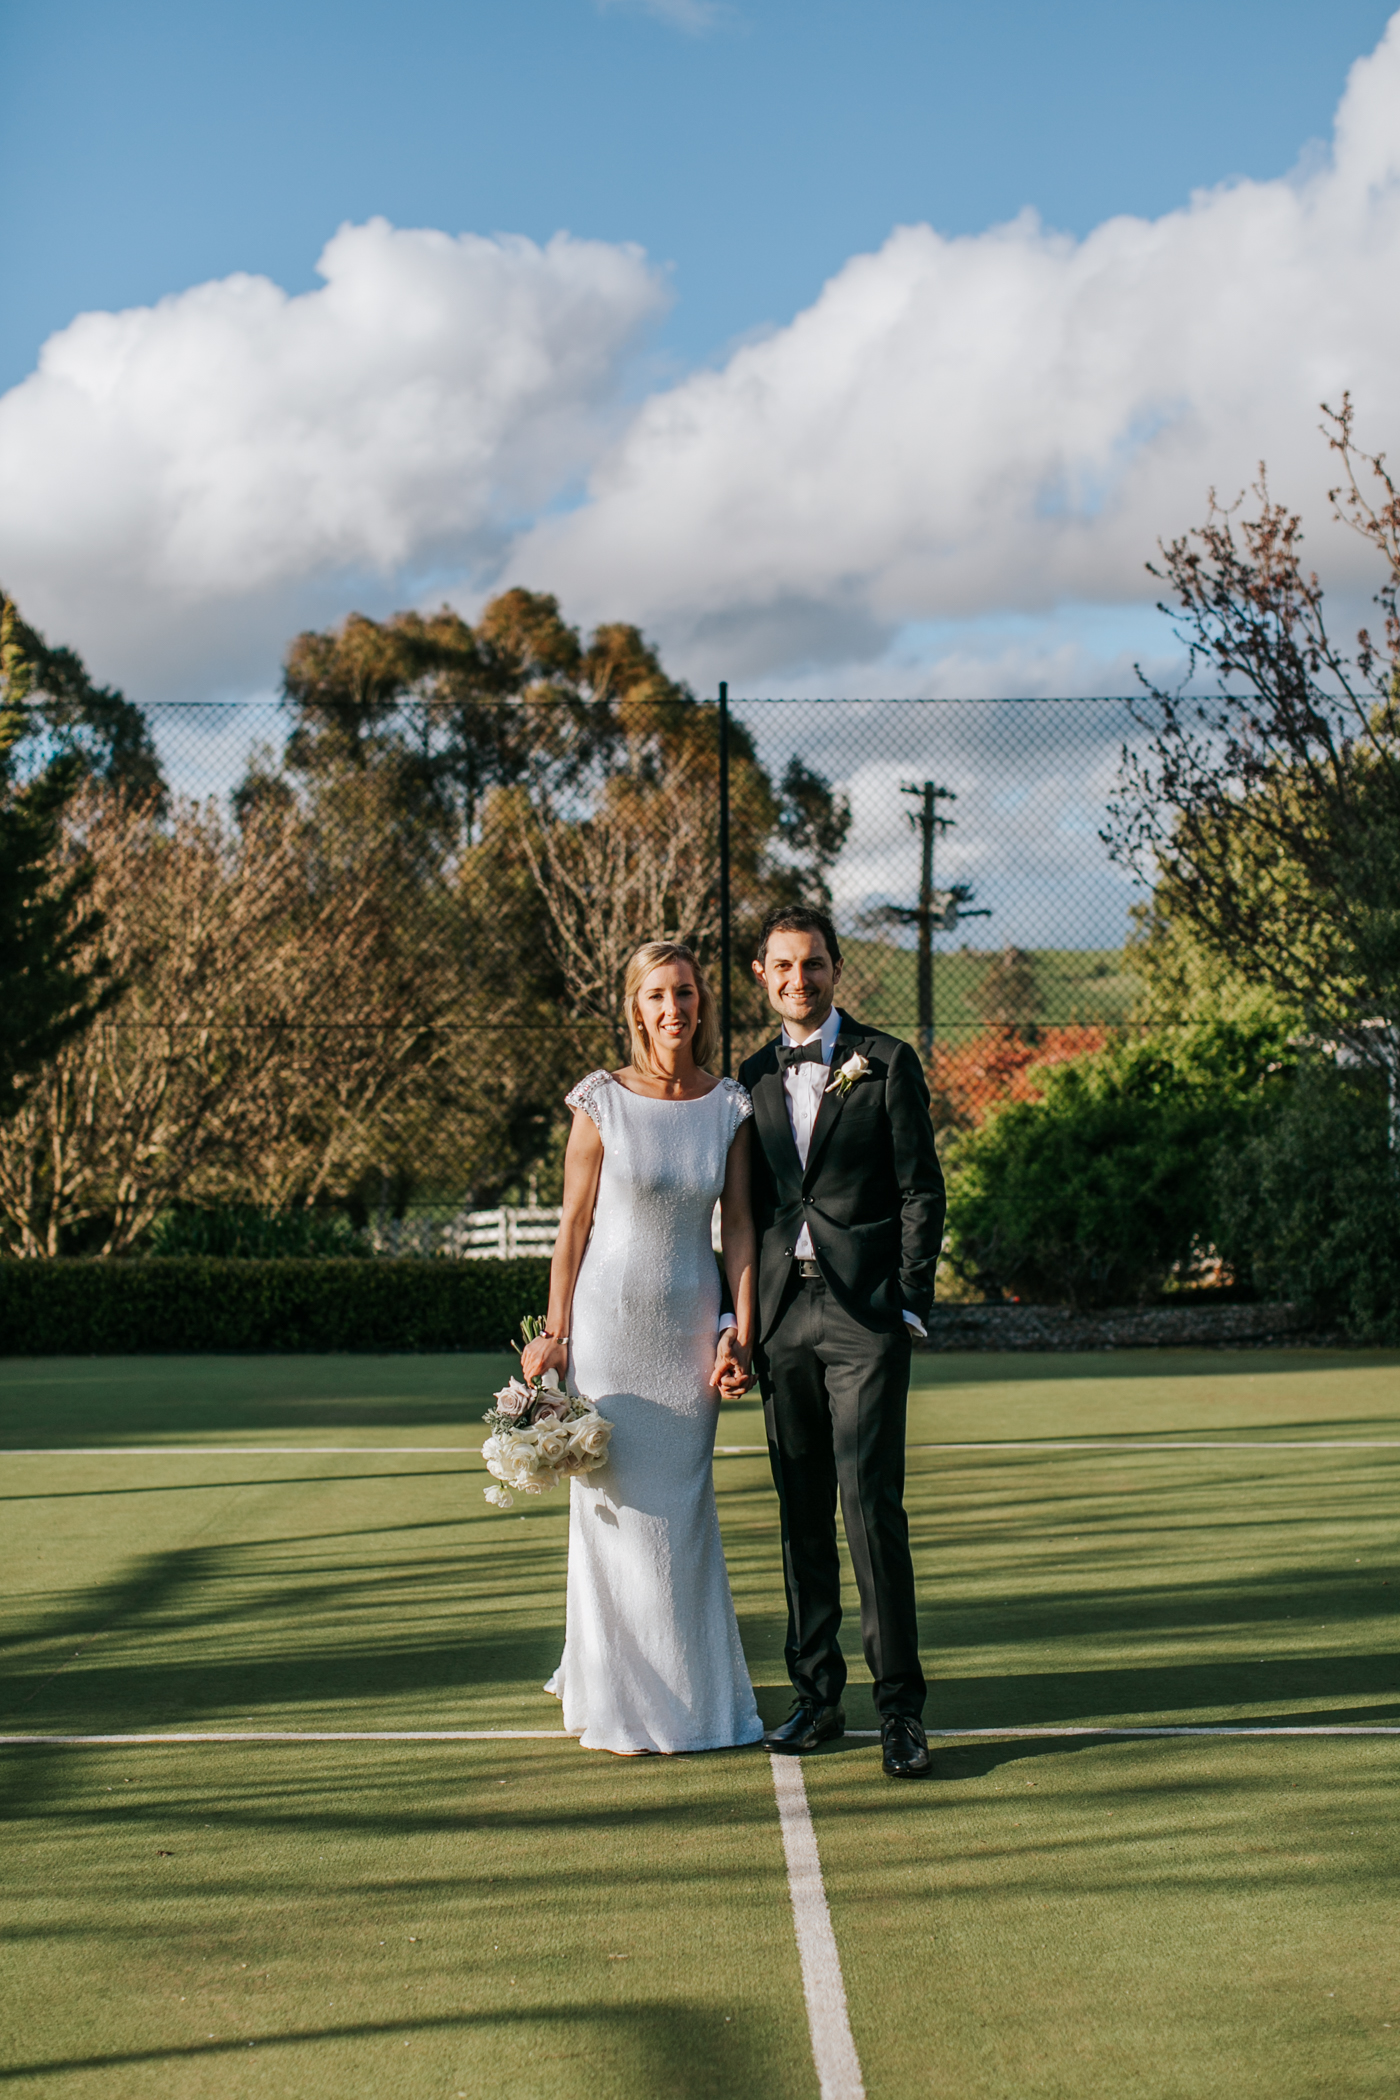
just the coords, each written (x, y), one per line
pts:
(846, 1075)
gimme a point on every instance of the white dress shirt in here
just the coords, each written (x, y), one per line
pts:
(804, 1086)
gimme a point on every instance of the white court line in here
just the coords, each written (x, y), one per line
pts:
(246, 1451)
(1207, 1729)
(1258, 1443)
(283, 1450)
(833, 2050)
(562, 1735)
(1119, 1444)
(823, 1987)
(309, 1735)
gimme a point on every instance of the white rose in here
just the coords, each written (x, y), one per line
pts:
(552, 1443)
(854, 1068)
(590, 1439)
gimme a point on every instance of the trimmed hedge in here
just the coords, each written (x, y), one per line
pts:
(200, 1305)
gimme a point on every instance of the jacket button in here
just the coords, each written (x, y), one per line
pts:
(787, 1250)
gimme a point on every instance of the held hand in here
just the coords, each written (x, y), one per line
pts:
(543, 1355)
(731, 1374)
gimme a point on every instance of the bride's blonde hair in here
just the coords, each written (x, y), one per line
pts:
(704, 1044)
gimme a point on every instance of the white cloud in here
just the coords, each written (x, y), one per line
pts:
(1005, 422)
(1029, 779)
(921, 483)
(192, 480)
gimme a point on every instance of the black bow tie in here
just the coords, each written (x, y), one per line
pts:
(800, 1054)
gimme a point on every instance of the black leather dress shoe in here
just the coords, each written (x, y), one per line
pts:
(805, 1727)
(905, 1747)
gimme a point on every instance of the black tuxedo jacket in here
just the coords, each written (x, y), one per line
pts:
(872, 1193)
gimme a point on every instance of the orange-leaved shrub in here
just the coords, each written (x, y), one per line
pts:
(966, 1081)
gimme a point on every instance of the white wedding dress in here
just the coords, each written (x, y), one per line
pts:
(652, 1657)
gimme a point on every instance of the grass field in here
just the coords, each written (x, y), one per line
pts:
(1072, 984)
(1166, 1918)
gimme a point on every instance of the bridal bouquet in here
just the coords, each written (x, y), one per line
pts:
(540, 1434)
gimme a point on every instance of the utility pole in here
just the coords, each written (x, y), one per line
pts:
(937, 911)
(927, 821)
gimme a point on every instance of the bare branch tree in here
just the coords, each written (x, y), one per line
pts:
(268, 1015)
(641, 865)
(1267, 814)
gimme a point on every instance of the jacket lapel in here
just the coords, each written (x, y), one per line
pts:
(771, 1116)
(828, 1115)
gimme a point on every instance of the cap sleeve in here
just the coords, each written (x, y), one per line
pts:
(586, 1095)
(739, 1102)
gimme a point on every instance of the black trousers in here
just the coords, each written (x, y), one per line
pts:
(835, 1396)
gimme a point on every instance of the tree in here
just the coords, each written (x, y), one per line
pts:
(968, 1080)
(1268, 814)
(53, 982)
(105, 735)
(440, 713)
(1092, 1194)
(273, 1015)
(638, 866)
(1305, 1206)
(813, 824)
(1008, 994)
(581, 760)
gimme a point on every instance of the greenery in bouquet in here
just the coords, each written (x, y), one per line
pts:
(540, 1433)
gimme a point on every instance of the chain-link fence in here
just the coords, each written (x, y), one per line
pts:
(364, 947)
(971, 886)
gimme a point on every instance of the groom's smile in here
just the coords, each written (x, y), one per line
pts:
(800, 979)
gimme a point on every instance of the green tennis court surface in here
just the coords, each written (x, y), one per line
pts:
(1059, 1917)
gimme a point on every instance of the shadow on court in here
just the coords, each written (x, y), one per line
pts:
(667, 2046)
(132, 1400)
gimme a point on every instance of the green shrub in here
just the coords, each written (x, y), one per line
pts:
(199, 1305)
(1093, 1195)
(244, 1232)
(1309, 1205)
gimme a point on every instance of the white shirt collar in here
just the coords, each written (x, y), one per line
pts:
(831, 1028)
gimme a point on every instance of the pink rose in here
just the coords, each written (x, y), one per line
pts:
(513, 1400)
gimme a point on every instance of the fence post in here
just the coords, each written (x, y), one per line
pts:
(929, 821)
(725, 1014)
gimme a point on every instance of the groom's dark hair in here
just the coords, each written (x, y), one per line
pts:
(798, 918)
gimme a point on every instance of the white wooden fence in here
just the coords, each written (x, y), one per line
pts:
(480, 1235)
(497, 1235)
(472, 1235)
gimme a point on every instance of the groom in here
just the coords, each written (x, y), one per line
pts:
(849, 1206)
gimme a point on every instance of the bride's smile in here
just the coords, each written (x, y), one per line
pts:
(666, 1006)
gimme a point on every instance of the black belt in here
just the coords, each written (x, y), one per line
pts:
(809, 1271)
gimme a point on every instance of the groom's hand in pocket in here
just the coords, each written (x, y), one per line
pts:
(731, 1374)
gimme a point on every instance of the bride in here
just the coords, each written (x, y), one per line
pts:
(652, 1659)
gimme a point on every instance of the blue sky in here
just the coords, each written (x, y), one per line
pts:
(148, 147)
(885, 341)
